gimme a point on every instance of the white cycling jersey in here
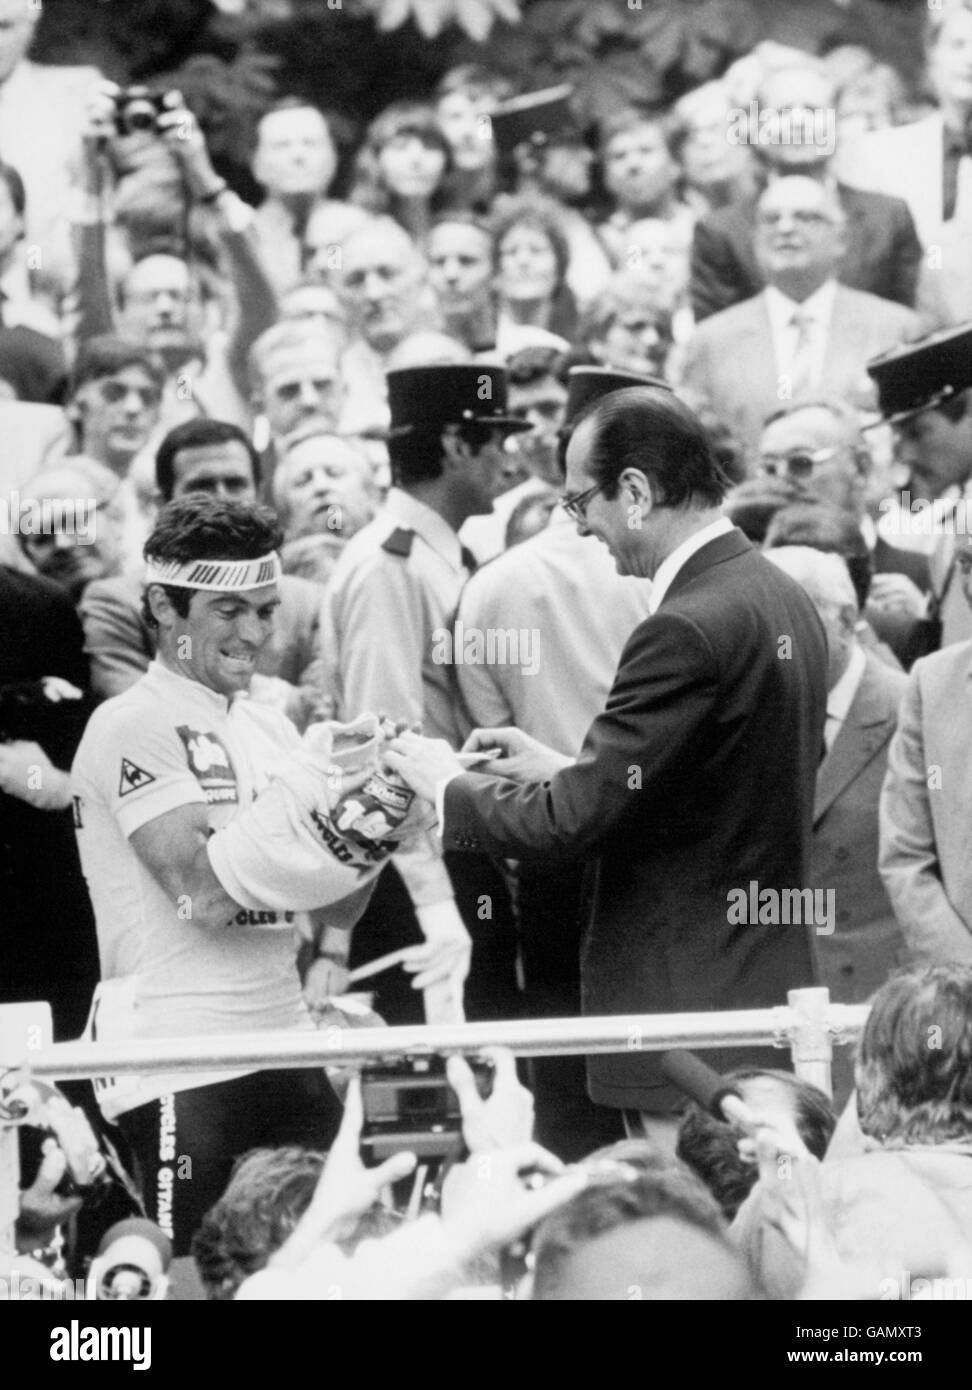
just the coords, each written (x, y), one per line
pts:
(166, 742)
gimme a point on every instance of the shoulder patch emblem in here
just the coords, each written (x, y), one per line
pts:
(133, 778)
(399, 542)
(210, 764)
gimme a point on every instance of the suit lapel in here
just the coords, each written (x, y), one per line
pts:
(863, 734)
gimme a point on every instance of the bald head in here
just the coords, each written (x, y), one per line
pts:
(72, 523)
(802, 99)
(826, 580)
(381, 279)
(295, 371)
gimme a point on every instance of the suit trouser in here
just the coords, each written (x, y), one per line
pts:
(550, 901)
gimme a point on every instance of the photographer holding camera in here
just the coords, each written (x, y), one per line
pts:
(175, 210)
(486, 1203)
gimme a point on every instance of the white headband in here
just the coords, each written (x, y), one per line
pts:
(216, 575)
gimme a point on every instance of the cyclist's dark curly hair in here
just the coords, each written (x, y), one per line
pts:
(200, 527)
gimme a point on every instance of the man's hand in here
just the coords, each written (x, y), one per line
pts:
(446, 952)
(73, 1149)
(179, 131)
(524, 759)
(897, 595)
(503, 1121)
(486, 1204)
(27, 773)
(422, 762)
(325, 978)
(42, 1209)
(345, 1190)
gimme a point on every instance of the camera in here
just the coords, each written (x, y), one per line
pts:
(409, 1107)
(139, 108)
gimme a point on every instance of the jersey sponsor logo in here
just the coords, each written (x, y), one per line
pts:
(360, 857)
(246, 917)
(133, 778)
(210, 764)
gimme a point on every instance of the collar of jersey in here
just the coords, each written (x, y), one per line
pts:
(182, 689)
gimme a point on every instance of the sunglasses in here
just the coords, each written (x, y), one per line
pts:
(798, 465)
(575, 503)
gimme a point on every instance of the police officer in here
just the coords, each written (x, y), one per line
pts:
(925, 394)
(386, 635)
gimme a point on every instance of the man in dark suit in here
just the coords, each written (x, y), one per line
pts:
(697, 779)
(882, 255)
(863, 694)
(49, 947)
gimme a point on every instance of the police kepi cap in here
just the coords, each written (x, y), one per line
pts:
(585, 385)
(538, 118)
(921, 375)
(467, 394)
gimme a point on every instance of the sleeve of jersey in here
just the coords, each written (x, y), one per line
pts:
(285, 853)
(141, 765)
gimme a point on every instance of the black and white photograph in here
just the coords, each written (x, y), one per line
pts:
(486, 665)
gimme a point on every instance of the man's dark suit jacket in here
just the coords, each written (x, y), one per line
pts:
(48, 933)
(697, 779)
(883, 252)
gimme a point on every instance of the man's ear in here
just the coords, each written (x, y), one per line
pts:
(637, 487)
(160, 606)
(455, 450)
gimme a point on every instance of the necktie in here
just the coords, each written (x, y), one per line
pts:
(469, 560)
(801, 364)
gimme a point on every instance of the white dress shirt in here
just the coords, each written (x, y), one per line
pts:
(680, 556)
(841, 696)
(817, 310)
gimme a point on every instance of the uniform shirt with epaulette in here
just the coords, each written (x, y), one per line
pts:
(389, 601)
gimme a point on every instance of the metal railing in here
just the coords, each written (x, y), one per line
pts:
(809, 1025)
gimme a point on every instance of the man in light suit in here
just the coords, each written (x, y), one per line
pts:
(926, 802)
(698, 776)
(863, 694)
(804, 337)
(882, 253)
(929, 162)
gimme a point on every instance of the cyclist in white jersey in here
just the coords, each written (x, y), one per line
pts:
(203, 822)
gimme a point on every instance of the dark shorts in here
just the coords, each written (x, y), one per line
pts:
(185, 1144)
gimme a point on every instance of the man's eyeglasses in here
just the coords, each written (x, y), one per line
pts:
(575, 503)
(798, 465)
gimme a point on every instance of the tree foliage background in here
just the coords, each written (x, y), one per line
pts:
(231, 58)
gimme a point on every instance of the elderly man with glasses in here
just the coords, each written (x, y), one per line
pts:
(804, 337)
